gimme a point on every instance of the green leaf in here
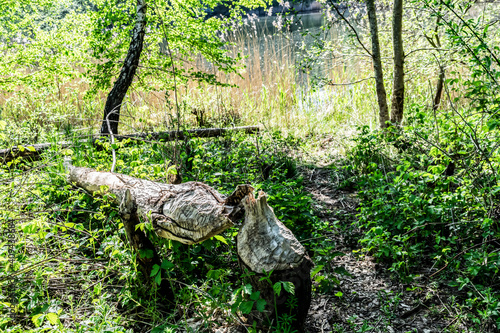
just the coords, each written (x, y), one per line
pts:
(158, 278)
(289, 287)
(246, 307)
(214, 273)
(146, 253)
(277, 288)
(38, 319)
(220, 239)
(247, 288)
(255, 295)
(316, 270)
(155, 270)
(52, 317)
(261, 305)
(342, 271)
(339, 294)
(166, 265)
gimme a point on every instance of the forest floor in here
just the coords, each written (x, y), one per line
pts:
(370, 300)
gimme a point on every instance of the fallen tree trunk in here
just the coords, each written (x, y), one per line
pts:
(189, 212)
(192, 212)
(265, 245)
(34, 151)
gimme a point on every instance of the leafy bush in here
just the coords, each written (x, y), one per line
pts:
(431, 204)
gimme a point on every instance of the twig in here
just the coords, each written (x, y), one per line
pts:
(350, 26)
(462, 252)
(330, 83)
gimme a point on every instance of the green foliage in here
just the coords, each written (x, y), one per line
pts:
(429, 191)
(417, 212)
(89, 249)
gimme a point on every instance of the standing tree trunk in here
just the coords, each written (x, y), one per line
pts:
(146, 255)
(117, 94)
(377, 65)
(398, 90)
(439, 88)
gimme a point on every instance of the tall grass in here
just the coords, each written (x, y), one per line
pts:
(268, 91)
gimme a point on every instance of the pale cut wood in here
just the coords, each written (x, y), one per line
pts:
(264, 244)
(192, 212)
(34, 151)
(189, 213)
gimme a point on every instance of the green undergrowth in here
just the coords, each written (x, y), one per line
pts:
(429, 206)
(74, 271)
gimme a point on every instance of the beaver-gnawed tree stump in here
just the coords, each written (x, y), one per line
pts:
(264, 244)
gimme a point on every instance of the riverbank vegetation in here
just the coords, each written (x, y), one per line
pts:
(422, 193)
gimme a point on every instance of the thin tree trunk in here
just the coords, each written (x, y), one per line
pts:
(127, 73)
(377, 65)
(398, 90)
(439, 88)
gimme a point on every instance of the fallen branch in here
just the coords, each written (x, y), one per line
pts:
(34, 151)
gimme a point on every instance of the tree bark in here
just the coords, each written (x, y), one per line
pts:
(192, 212)
(398, 90)
(377, 65)
(264, 244)
(127, 73)
(147, 256)
(439, 88)
(189, 213)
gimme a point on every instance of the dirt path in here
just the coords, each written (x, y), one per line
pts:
(371, 301)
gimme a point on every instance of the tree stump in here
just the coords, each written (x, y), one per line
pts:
(146, 255)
